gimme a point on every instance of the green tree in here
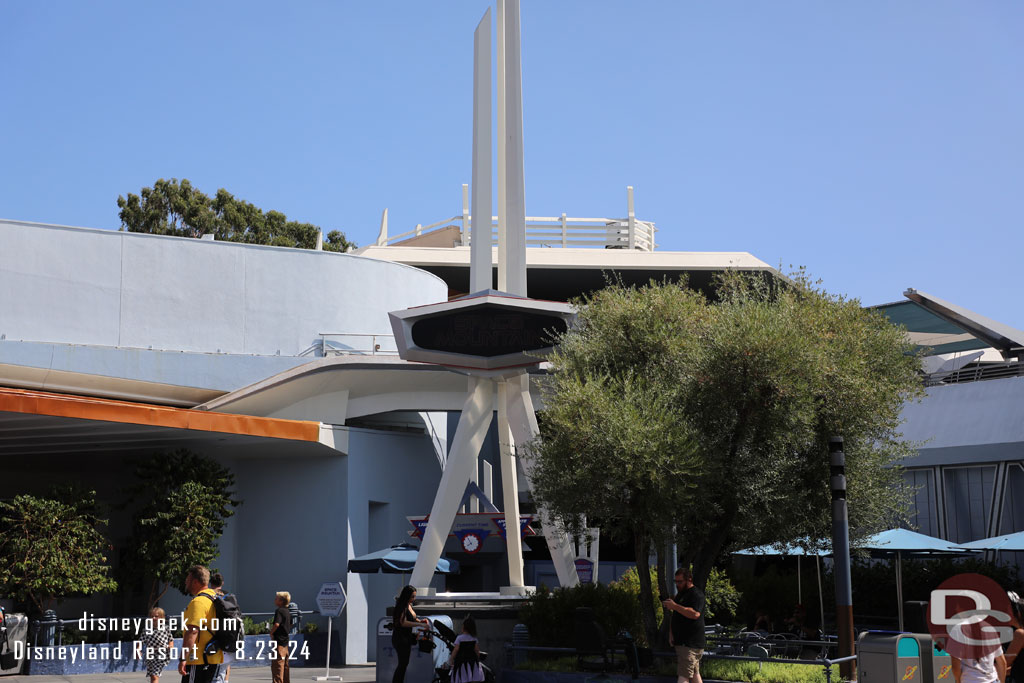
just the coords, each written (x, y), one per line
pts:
(51, 549)
(613, 448)
(188, 500)
(179, 209)
(738, 397)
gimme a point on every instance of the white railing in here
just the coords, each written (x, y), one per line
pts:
(548, 231)
(345, 343)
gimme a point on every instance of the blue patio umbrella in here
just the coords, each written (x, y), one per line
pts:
(899, 542)
(1013, 541)
(398, 559)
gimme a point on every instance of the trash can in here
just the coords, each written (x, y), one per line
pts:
(16, 625)
(889, 657)
(421, 664)
(936, 664)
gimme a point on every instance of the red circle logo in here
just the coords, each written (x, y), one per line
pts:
(969, 616)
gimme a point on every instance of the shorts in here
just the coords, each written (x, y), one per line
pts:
(688, 661)
(200, 673)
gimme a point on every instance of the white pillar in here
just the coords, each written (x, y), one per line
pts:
(500, 113)
(523, 421)
(480, 249)
(515, 197)
(509, 493)
(469, 437)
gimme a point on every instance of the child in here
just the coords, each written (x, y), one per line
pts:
(156, 643)
(465, 658)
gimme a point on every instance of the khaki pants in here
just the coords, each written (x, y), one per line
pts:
(688, 661)
(279, 667)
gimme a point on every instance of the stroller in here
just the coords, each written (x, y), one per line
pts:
(443, 674)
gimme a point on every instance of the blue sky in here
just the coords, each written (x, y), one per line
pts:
(880, 144)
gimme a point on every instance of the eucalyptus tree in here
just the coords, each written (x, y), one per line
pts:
(180, 209)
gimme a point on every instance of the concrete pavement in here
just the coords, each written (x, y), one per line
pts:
(253, 674)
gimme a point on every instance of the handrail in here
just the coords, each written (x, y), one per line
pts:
(976, 373)
(362, 344)
(548, 231)
(556, 231)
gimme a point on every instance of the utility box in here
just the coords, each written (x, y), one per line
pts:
(936, 663)
(888, 657)
(421, 664)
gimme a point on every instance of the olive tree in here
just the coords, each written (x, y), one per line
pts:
(677, 417)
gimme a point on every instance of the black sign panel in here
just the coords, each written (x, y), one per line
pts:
(489, 330)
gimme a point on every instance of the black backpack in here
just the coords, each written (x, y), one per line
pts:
(230, 630)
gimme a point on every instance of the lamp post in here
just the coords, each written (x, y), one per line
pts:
(841, 555)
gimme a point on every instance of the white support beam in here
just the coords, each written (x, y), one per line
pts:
(509, 493)
(462, 461)
(480, 242)
(515, 197)
(500, 114)
(523, 422)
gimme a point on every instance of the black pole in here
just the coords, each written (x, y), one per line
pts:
(841, 556)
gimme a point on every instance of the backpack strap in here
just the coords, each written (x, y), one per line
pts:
(213, 641)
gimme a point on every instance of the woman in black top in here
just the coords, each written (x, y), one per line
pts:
(404, 619)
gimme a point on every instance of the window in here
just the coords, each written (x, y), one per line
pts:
(1012, 519)
(923, 511)
(968, 501)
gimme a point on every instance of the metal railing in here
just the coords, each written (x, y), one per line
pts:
(357, 344)
(824, 662)
(548, 231)
(976, 373)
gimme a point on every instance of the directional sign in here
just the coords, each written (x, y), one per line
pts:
(331, 599)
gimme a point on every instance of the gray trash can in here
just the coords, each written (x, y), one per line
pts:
(936, 663)
(888, 657)
(421, 664)
(17, 632)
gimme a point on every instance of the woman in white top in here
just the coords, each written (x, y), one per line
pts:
(990, 668)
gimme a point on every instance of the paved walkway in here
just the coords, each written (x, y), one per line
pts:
(252, 674)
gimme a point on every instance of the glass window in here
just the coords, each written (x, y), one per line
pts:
(968, 492)
(1013, 501)
(923, 511)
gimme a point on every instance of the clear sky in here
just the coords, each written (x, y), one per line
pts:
(880, 144)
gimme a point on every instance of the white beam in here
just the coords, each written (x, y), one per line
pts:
(462, 460)
(480, 259)
(502, 190)
(523, 421)
(515, 197)
(509, 492)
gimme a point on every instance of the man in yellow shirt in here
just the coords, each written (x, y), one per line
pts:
(197, 665)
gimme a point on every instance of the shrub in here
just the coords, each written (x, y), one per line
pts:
(549, 615)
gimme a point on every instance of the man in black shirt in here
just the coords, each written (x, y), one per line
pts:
(282, 626)
(687, 632)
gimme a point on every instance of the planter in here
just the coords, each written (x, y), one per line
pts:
(318, 649)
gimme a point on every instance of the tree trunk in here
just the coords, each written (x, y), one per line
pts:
(666, 567)
(642, 548)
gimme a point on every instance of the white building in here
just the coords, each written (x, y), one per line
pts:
(276, 362)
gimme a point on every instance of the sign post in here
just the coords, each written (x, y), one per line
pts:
(330, 601)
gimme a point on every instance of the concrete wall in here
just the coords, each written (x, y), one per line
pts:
(969, 414)
(390, 476)
(105, 288)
